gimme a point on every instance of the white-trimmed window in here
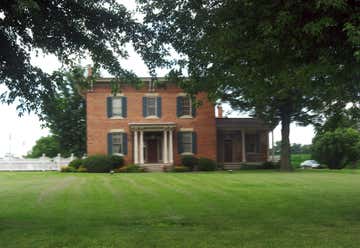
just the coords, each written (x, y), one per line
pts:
(117, 143)
(117, 106)
(184, 107)
(187, 142)
(151, 106)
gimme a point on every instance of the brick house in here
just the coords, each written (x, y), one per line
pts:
(156, 126)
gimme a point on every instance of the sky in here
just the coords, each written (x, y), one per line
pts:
(19, 134)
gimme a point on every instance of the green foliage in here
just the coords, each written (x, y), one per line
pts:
(130, 168)
(206, 164)
(189, 161)
(63, 111)
(297, 159)
(260, 166)
(251, 166)
(181, 168)
(69, 30)
(338, 148)
(45, 145)
(76, 163)
(282, 62)
(67, 169)
(117, 161)
(268, 165)
(98, 163)
(294, 148)
(82, 169)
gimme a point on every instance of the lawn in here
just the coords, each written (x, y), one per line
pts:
(244, 209)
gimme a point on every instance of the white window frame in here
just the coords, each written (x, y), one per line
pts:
(121, 107)
(191, 143)
(155, 106)
(121, 144)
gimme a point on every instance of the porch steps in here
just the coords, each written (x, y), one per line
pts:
(232, 166)
(154, 167)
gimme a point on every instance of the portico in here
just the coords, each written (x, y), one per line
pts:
(153, 143)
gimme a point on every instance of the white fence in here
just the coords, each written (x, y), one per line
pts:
(34, 164)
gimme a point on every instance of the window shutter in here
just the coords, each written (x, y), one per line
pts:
(194, 144)
(180, 142)
(179, 106)
(124, 106)
(110, 143)
(158, 106)
(144, 106)
(193, 110)
(125, 143)
(109, 106)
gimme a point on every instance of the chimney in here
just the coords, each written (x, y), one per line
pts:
(220, 111)
(89, 71)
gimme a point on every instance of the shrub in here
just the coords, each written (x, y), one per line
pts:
(167, 168)
(131, 168)
(117, 161)
(67, 169)
(269, 165)
(337, 148)
(180, 168)
(251, 166)
(76, 163)
(206, 164)
(98, 163)
(189, 161)
(82, 169)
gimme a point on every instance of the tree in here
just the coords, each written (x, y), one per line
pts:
(280, 60)
(337, 148)
(67, 29)
(64, 111)
(45, 145)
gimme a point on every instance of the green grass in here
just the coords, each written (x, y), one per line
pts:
(311, 208)
(297, 159)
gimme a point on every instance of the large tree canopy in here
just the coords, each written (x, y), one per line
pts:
(67, 29)
(64, 111)
(280, 60)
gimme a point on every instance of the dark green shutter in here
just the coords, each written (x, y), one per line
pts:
(125, 143)
(109, 143)
(194, 144)
(109, 106)
(144, 106)
(124, 106)
(158, 99)
(193, 110)
(179, 106)
(180, 142)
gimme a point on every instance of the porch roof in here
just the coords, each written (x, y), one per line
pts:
(152, 125)
(241, 123)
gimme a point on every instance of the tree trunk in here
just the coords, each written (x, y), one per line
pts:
(285, 144)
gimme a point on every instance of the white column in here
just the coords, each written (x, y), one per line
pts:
(141, 147)
(136, 147)
(243, 145)
(171, 158)
(165, 148)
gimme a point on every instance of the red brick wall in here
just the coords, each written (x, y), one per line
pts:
(98, 124)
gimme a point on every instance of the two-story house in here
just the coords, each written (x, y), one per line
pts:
(156, 126)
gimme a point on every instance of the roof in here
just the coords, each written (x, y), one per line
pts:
(239, 123)
(144, 79)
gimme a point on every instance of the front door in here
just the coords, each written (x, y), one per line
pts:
(152, 153)
(228, 151)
